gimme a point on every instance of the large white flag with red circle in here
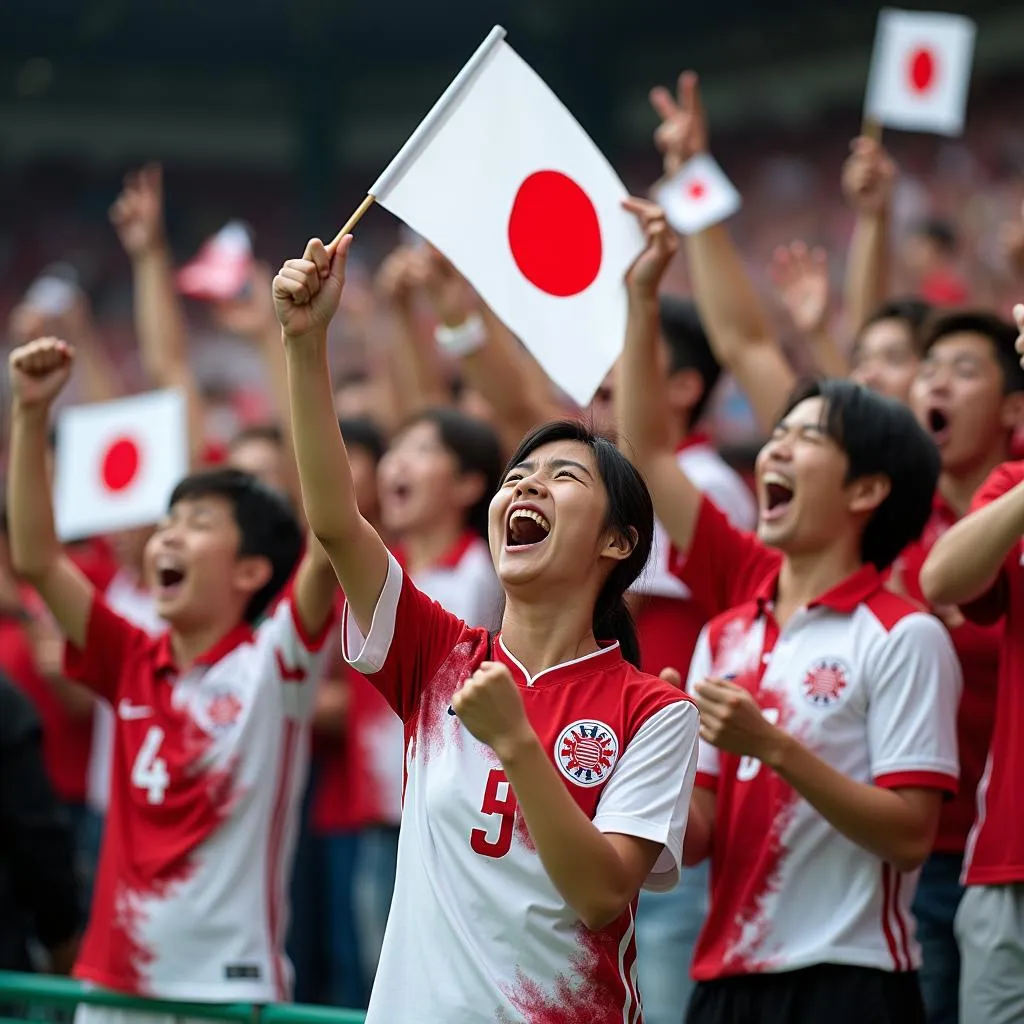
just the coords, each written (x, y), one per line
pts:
(501, 178)
(921, 71)
(118, 462)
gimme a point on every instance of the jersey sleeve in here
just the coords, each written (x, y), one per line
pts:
(727, 491)
(648, 795)
(410, 637)
(707, 755)
(915, 694)
(724, 565)
(299, 657)
(110, 641)
(989, 607)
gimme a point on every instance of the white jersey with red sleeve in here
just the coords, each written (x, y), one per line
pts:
(720, 484)
(869, 684)
(477, 930)
(208, 773)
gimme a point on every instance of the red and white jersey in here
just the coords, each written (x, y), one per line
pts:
(668, 621)
(126, 598)
(870, 684)
(477, 930)
(977, 648)
(208, 776)
(716, 479)
(465, 584)
(995, 849)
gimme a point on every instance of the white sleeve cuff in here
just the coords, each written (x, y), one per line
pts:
(368, 654)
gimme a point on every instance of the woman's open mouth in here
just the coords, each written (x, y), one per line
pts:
(526, 527)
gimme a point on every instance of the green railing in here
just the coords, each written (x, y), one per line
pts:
(44, 990)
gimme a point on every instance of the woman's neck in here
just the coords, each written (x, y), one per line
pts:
(542, 634)
(425, 547)
(804, 578)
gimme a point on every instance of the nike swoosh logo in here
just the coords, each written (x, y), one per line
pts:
(129, 712)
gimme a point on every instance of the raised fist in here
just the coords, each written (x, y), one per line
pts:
(307, 291)
(39, 370)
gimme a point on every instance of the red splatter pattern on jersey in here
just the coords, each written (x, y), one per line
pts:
(436, 699)
(589, 992)
(522, 831)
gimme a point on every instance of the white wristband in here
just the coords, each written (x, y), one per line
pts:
(463, 340)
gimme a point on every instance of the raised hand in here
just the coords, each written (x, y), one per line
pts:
(449, 291)
(39, 370)
(399, 276)
(138, 212)
(801, 279)
(307, 291)
(644, 277)
(683, 131)
(869, 176)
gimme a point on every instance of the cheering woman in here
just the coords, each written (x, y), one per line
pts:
(548, 779)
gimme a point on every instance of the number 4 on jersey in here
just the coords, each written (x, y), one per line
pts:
(150, 770)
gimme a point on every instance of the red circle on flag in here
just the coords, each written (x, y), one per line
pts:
(555, 235)
(922, 69)
(696, 190)
(120, 464)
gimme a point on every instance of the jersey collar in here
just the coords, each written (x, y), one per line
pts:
(695, 440)
(843, 598)
(241, 634)
(606, 658)
(450, 559)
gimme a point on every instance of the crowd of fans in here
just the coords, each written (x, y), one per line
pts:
(894, 265)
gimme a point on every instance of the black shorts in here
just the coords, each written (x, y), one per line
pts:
(823, 994)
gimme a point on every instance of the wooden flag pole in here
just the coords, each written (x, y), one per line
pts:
(352, 222)
(872, 129)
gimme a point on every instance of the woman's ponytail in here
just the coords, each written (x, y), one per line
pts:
(616, 623)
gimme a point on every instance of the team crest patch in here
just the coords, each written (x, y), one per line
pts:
(586, 752)
(223, 709)
(824, 682)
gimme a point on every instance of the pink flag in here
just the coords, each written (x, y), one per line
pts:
(221, 268)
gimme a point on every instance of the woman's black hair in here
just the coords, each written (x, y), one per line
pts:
(630, 511)
(880, 436)
(477, 449)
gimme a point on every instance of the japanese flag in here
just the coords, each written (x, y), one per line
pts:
(221, 268)
(118, 462)
(501, 178)
(920, 71)
(697, 196)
